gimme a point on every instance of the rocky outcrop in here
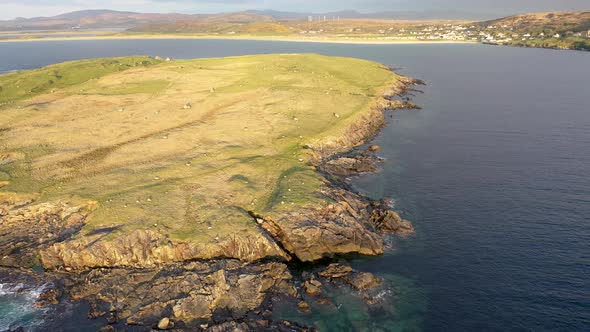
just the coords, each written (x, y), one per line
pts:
(144, 248)
(335, 270)
(27, 227)
(390, 221)
(350, 166)
(363, 281)
(366, 124)
(187, 295)
(258, 325)
(339, 228)
(50, 295)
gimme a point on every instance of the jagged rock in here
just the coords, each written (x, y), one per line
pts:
(95, 311)
(147, 248)
(257, 325)
(193, 293)
(324, 301)
(48, 296)
(26, 228)
(351, 166)
(312, 233)
(335, 270)
(398, 104)
(390, 221)
(312, 289)
(230, 326)
(363, 280)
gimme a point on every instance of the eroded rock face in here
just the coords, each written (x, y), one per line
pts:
(351, 166)
(363, 281)
(144, 248)
(335, 270)
(27, 227)
(187, 294)
(390, 221)
(339, 228)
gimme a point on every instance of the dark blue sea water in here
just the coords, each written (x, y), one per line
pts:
(494, 172)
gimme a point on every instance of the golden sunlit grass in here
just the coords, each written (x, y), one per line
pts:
(129, 140)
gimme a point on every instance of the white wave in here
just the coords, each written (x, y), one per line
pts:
(17, 306)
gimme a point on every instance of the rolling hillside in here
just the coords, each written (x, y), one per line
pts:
(558, 22)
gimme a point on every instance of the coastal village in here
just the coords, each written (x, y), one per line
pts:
(494, 34)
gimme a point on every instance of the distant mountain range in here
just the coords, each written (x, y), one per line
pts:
(92, 19)
(101, 19)
(390, 15)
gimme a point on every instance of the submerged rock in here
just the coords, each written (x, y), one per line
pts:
(363, 280)
(312, 288)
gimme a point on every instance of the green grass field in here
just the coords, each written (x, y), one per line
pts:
(21, 85)
(115, 131)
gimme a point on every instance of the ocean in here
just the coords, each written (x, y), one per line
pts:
(494, 172)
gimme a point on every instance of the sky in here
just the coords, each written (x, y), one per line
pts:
(10, 9)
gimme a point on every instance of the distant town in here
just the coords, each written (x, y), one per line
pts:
(476, 32)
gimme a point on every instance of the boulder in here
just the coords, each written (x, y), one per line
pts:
(390, 221)
(363, 281)
(48, 296)
(164, 324)
(374, 148)
(312, 289)
(335, 270)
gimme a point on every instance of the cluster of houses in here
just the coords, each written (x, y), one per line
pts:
(456, 32)
(492, 34)
(505, 34)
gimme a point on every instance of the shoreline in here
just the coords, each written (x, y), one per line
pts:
(328, 40)
(233, 280)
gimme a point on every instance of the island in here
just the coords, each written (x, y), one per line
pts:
(182, 193)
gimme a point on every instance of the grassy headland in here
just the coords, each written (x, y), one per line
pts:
(182, 150)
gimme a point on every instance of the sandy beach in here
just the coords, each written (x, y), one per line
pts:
(318, 39)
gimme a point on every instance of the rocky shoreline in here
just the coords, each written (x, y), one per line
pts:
(147, 282)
